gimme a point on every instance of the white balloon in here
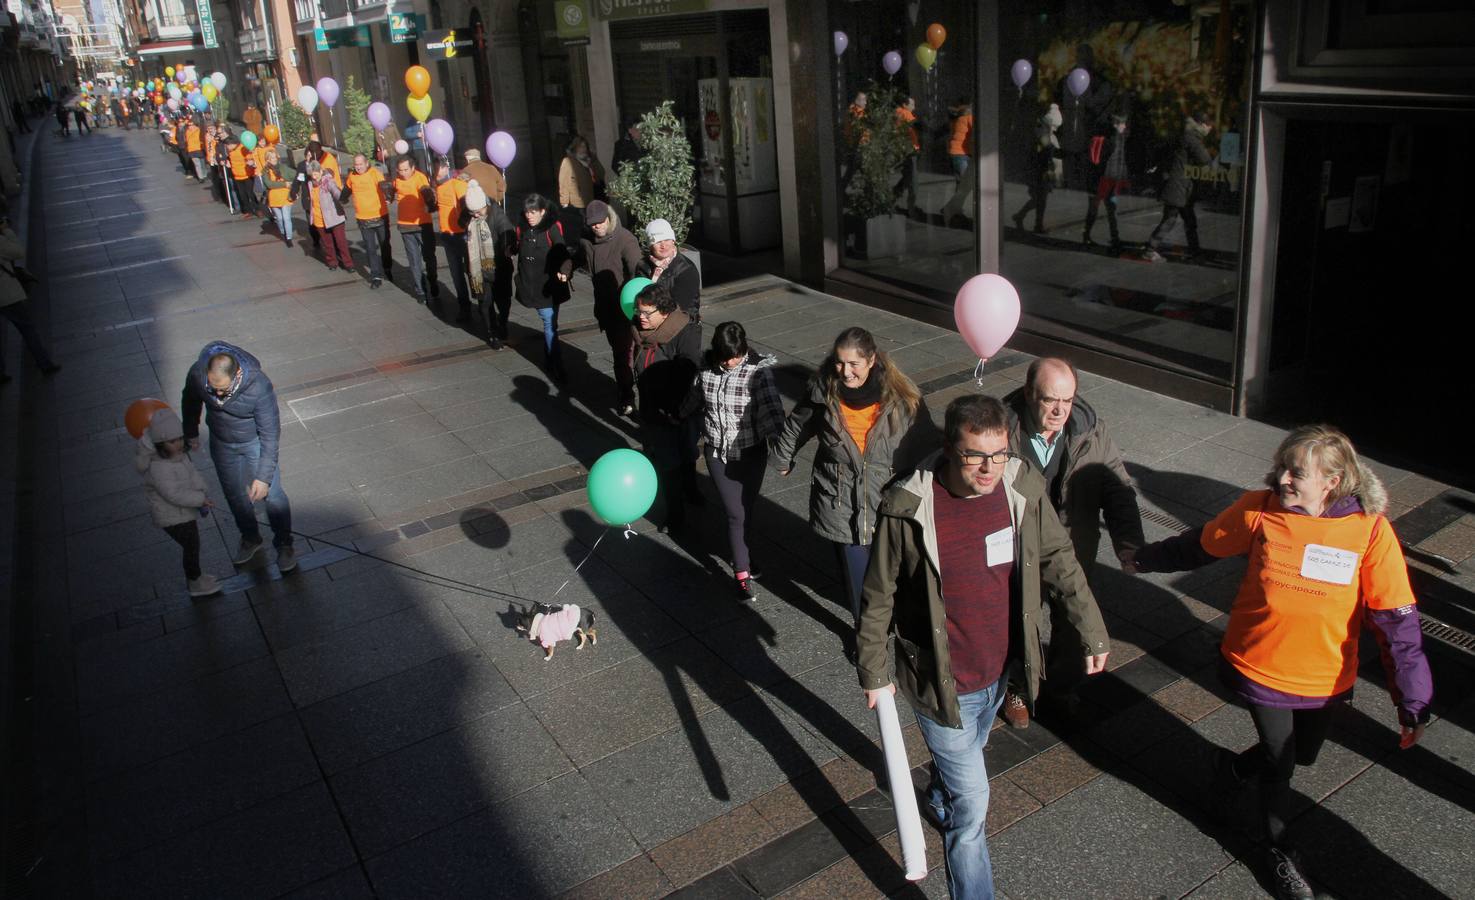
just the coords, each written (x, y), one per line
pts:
(174, 91)
(218, 79)
(307, 98)
(401, 146)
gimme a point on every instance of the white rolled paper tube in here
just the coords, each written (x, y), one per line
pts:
(903, 793)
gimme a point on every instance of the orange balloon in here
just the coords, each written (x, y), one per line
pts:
(272, 134)
(417, 79)
(936, 34)
(140, 413)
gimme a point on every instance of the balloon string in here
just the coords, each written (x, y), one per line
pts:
(978, 373)
(586, 558)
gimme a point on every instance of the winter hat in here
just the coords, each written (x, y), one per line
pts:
(596, 212)
(660, 230)
(476, 198)
(472, 155)
(1052, 116)
(165, 426)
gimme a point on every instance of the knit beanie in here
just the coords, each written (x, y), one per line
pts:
(165, 426)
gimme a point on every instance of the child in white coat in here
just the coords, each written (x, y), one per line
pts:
(176, 493)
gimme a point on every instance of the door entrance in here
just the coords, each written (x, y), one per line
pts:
(1372, 287)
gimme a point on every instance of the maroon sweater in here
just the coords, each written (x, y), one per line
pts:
(975, 594)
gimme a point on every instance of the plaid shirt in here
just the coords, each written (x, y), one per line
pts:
(743, 406)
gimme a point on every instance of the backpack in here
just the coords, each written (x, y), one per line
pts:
(556, 224)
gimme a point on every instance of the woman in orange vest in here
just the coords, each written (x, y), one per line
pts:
(278, 195)
(450, 211)
(241, 175)
(1323, 561)
(194, 146)
(327, 216)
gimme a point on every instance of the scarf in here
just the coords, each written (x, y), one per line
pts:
(867, 394)
(481, 247)
(659, 266)
(662, 333)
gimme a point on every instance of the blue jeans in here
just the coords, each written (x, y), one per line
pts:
(420, 250)
(960, 165)
(457, 262)
(959, 791)
(853, 559)
(235, 466)
(283, 217)
(549, 315)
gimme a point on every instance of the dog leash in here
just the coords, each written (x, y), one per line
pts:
(628, 531)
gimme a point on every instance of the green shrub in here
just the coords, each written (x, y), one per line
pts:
(880, 144)
(220, 108)
(359, 136)
(295, 125)
(662, 183)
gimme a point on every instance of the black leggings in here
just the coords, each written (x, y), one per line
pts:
(738, 482)
(187, 535)
(1288, 738)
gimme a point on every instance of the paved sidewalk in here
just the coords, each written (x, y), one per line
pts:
(371, 725)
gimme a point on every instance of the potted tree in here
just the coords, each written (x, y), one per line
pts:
(879, 143)
(661, 184)
(358, 137)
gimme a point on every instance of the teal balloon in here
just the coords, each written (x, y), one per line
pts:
(248, 140)
(622, 486)
(629, 292)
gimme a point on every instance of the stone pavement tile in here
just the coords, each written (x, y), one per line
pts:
(742, 750)
(127, 536)
(1234, 882)
(795, 857)
(1008, 803)
(773, 643)
(379, 437)
(291, 619)
(1053, 774)
(1189, 700)
(792, 804)
(157, 725)
(190, 789)
(634, 879)
(345, 884)
(435, 449)
(365, 653)
(688, 857)
(330, 512)
(103, 634)
(445, 395)
(631, 701)
(1088, 828)
(538, 844)
(1254, 438)
(1177, 476)
(388, 497)
(361, 417)
(1382, 836)
(1145, 443)
(299, 832)
(104, 679)
(397, 711)
(829, 700)
(1455, 542)
(412, 791)
(723, 884)
(1129, 641)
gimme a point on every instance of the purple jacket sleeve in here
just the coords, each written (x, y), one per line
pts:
(1402, 645)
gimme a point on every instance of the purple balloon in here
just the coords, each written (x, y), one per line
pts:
(1021, 72)
(180, 76)
(501, 149)
(379, 116)
(439, 135)
(328, 91)
(842, 40)
(891, 62)
(1077, 81)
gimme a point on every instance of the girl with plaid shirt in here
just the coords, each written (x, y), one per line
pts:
(742, 411)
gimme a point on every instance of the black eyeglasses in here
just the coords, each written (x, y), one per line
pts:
(977, 458)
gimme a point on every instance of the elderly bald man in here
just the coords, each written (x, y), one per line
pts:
(1059, 435)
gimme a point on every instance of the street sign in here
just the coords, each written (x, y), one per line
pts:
(342, 37)
(207, 24)
(404, 28)
(451, 44)
(572, 19)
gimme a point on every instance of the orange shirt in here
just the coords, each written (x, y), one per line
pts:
(905, 118)
(859, 421)
(1294, 624)
(368, 194)
(330, 163)
(238, 169)
(277, 197)
(448, 205)
(961, 142)
(411, 208)
(315, 197)
(193, 138)
(259, 154)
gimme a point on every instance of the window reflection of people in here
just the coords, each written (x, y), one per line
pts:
(1082, 117)
(1178, 189)
(960, 151)
(1109, 152)
(854, 135)
(906, 119)
(1044, 170)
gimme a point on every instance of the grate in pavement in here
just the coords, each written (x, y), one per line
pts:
(1158, 517)
(1447, 634)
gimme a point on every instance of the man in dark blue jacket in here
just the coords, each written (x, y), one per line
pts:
(245, 430)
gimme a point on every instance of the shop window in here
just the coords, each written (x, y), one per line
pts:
(1123, 160)
(905, 162)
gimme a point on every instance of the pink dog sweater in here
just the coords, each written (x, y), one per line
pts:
(558, 626)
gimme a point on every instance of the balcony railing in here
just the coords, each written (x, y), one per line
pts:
(256, 45)
(305, 10)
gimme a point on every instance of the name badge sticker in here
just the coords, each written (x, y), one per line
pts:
(1000, 546)
(1330, 564)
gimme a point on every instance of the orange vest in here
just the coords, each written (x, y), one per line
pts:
(961, 142)
(368, 196)
(905, 118)
(192, 137)
(410, 207)
(238, 169)
(277, 197)
(1295, 622)
(448, 205)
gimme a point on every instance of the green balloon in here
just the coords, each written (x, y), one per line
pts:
(622, 486)
(628, 293)
(248, 140)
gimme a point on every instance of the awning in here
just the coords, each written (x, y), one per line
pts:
(162, 47)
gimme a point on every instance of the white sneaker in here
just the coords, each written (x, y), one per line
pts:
(204, 586)
(286, 559)
(247, 551)
(1152, 255)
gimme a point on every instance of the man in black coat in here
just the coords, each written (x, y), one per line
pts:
(611, 256)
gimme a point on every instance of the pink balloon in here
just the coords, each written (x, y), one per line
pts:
(501, 149)
(987, 312)
(891, 62)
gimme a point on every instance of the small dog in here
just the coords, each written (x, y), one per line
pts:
(547, 625)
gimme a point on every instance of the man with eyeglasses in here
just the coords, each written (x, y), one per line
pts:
(1062, 438)
(240, 407)
(964, 547)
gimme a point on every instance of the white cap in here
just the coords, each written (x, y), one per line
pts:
(660, 230)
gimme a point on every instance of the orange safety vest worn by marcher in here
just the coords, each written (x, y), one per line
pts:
(259, 155)
(315, 196)
(193, 138)
(238, 169)
(277, 197)
(410, 209)
(368, 195)
(1295, 623)
(448, 206)
(330, 163)
(905, 118)
(961, 141)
